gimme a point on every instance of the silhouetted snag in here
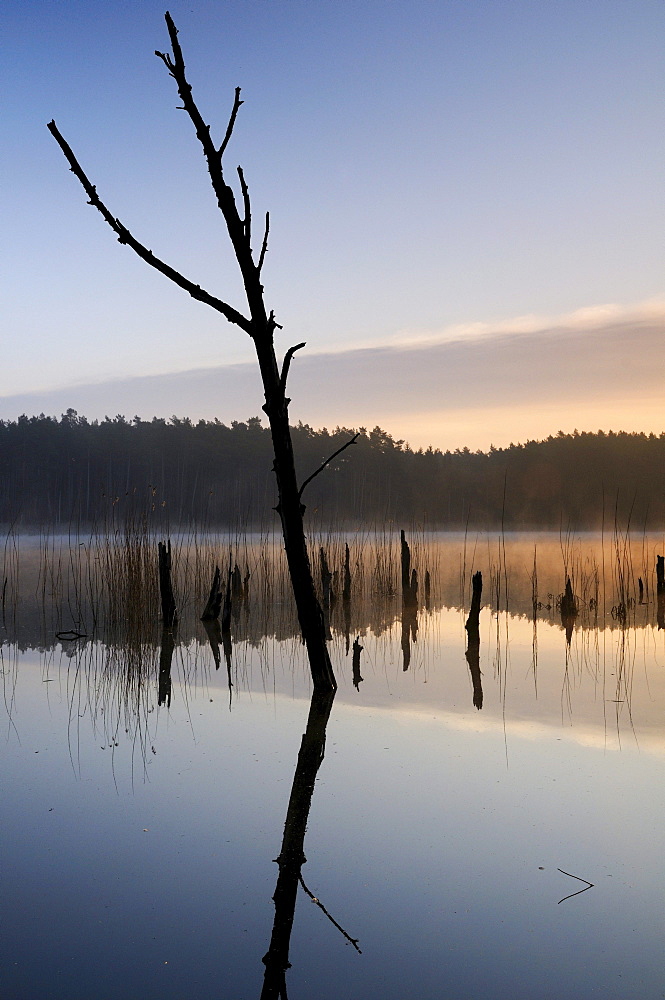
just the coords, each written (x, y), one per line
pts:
(357, 649)
(640, 587)
(406, 566)
(214, 633)
(409, 602)
(660, 591)
(236, 584)
(260, 325)
(413, 588)
(428, 590)
(346, 589)
(214, 603)
(346, 598)
(165, 661)
(473, 621)
(169, 614)
(568, 609)
(291, 857)
(327, 588)
(473, 639)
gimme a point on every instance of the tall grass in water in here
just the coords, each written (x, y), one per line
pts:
(106, 582)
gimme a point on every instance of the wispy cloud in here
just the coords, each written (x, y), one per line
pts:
(602, 366)
(587, 318)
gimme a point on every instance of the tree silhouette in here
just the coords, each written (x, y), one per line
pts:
(260, 324)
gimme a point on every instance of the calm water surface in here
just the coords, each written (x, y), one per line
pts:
(139, 839)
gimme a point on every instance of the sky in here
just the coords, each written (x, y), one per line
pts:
(466, 203)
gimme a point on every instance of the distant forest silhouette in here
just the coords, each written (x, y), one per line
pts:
(68, 471)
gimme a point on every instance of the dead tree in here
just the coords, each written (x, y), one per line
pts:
(260, 325)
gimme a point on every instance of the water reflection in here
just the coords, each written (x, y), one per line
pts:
(473, 640)
(165, 663)
(430, 761)
(291, 857)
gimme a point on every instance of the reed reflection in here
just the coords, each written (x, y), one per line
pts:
(109, 588)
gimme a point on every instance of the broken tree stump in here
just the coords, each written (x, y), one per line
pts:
(169, 612)
(215, 598)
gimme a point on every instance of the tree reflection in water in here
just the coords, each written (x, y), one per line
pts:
(291, 856)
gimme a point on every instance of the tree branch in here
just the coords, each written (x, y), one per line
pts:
(124, 236)
(264, 245)
(315, 899)
(327, 462)
(287, 364)
(232, 121)
(224, 193)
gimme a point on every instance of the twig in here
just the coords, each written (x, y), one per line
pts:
(327, 462)
(232, 120)
(264, 245)
(247, 221)
(353, 941)
(589, 885)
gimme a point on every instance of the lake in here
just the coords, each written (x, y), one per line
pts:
(182, 820)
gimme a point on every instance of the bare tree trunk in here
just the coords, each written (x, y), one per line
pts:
(260, 325)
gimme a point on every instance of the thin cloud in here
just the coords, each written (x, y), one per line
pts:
(585, 318)
(505, 384)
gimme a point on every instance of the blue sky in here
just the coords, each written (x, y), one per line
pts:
(431, 169)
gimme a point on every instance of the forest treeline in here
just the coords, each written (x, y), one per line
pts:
(69, 471)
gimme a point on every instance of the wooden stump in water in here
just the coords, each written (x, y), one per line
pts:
(406, 565)
(215, 598)
(473, 645)
(169, 613)
(346, 588)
